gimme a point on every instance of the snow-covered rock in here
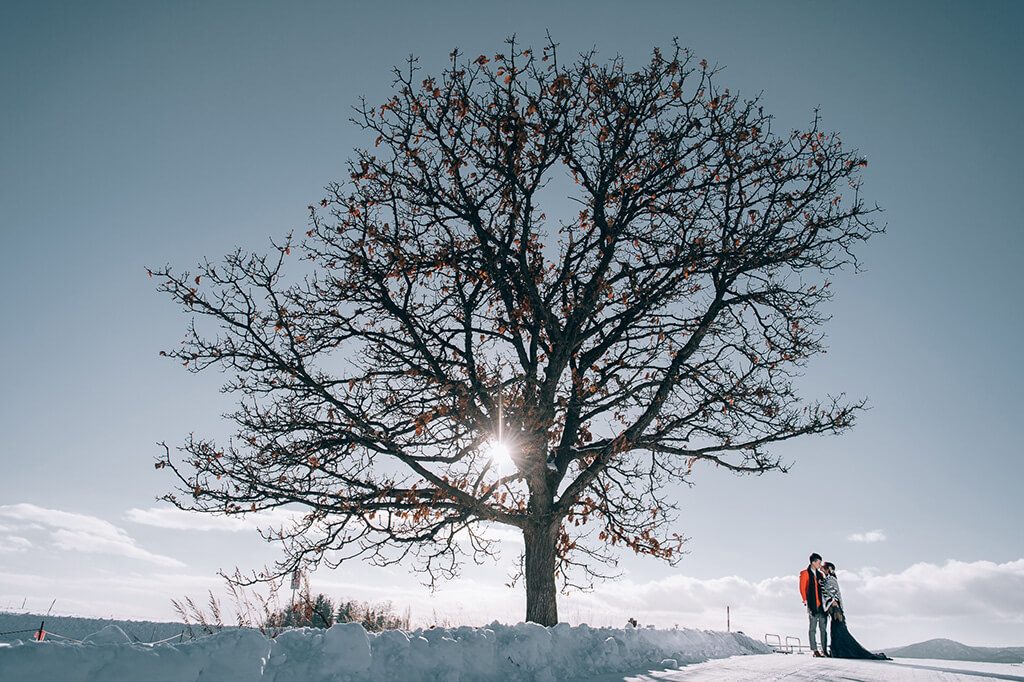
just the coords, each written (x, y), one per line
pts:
(347, 653)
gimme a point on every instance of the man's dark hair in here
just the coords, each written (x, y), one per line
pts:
(814, 557)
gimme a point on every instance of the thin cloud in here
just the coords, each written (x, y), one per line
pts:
(13, 544)
(179, 519)
(126, 594)
(70, 531)
(869, 536)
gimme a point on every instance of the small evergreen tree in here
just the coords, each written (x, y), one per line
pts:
(347, 611)
(323, 612)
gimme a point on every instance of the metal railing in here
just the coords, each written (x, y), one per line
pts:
(791, 645)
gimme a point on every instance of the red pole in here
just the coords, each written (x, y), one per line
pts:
(41, 633)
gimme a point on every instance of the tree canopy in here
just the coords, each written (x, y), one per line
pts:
(612, 275)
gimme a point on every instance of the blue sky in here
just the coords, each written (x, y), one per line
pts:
(138, 134)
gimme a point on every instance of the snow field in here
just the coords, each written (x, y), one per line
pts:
(346, 652)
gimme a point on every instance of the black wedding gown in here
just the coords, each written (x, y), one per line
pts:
(843, 643)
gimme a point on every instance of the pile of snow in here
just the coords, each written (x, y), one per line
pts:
(347, 652)
(15, 626)
(111, 634)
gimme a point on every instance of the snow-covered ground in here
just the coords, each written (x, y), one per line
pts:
(346, 652)
(523, 652)
(792, 668)
(1013, 670)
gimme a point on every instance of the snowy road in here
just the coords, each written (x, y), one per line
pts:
(798, 668)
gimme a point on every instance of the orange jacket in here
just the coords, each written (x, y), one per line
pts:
(805, 593)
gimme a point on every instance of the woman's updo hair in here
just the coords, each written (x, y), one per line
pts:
(830, 566)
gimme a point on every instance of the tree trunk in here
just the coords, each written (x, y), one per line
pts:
(541, 593)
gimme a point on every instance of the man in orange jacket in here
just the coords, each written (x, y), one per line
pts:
(810, 592)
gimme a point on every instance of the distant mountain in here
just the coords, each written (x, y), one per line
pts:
(947, 649)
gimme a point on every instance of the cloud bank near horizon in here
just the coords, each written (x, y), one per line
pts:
(977, 602)
(980, 591)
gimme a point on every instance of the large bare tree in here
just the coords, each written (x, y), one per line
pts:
(611, 275)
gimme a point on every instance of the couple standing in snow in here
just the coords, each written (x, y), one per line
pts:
(819, 589)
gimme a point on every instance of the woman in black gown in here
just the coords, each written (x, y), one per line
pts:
(843, 643)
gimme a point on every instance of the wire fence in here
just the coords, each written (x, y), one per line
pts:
(17, 632)
(42, 633)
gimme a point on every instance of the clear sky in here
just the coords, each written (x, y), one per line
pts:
(137, 134)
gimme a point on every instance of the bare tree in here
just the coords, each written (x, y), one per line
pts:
(613, 274)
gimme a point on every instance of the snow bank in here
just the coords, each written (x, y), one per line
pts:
(348, 653)
(21, 625)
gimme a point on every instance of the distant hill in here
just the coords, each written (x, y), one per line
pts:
(947, 649)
